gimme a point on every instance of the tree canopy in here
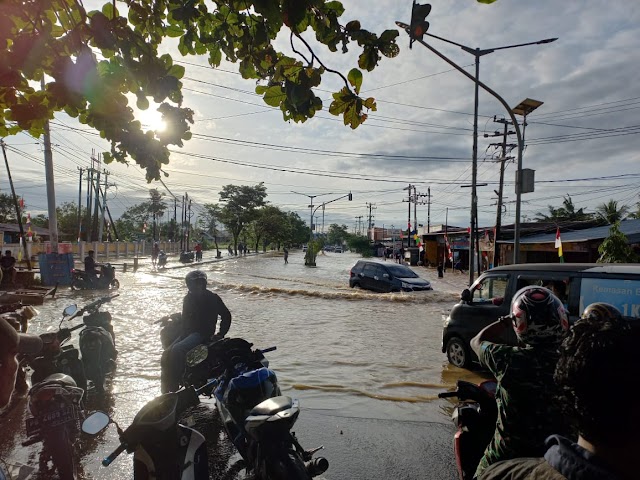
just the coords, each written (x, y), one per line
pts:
(611, 212)
(566, 212)
(90, 63)
(615, 248)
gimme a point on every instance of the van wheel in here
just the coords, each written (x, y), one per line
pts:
(458, 353)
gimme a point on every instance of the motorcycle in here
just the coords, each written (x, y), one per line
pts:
(106, 280)
(162, 259)
(97, 343)
(56, 357)
(55, 401)
(257, 418)
(475, 418)
(162, 448)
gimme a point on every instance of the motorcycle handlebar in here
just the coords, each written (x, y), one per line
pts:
(448, 394)
(270, 349)
(108, 460)
(98, 302)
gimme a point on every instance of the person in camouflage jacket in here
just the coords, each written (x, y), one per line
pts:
(526, 395)
(598, 364)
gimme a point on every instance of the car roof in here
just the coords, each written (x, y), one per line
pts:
(572, 267)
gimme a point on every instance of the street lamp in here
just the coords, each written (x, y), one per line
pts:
(524, 108)
(477, 53)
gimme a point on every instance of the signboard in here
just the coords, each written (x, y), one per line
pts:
(55, 268)
(623, 294)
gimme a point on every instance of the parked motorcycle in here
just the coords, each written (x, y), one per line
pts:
(106, 280)
(257, 418)
(56, 357)
(55, 400)
(162, 448)
(97, 343)
(475, 418)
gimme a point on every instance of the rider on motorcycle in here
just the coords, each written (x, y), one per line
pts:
(200, 311)
(598, 362)
(90, 266)
(526, 393)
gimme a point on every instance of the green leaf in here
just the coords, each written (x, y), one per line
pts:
(486, 2)
(274, 96)
(260, 89)
(108, 10)
(355, 79)
(215, 57)
(177, 71)
(174, 31)
(389, 35)
(142, 102)
(352, 26)
(370, 103)
(335, 7)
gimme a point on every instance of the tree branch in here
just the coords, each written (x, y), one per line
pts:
(310, 63)
(320, 61)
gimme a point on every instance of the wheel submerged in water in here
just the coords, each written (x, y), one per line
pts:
(115, 284)
(458, 353)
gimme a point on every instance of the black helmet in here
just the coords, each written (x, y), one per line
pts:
(195, 277)
(602, 312)
(538, 314)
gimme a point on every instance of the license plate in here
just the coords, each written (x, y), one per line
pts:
(51, 419)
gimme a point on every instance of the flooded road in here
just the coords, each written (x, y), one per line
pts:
(366, 367)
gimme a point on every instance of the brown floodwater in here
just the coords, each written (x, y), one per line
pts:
(344, 353)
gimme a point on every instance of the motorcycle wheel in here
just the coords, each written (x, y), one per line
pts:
(77, 284)
(287, 467)
(59, 444)
(114, 283)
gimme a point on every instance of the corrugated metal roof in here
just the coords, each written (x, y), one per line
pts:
(631, 228)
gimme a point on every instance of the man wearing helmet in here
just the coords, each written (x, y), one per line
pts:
(200, 311)
(598, 363)
(527, 410)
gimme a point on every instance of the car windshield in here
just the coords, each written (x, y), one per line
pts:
(401, 271)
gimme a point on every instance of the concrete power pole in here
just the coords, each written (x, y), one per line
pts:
(51, 193)
(502, 160)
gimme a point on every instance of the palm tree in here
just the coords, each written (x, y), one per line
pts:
(611, 213)
(566, 212)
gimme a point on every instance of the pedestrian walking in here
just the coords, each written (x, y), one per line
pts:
(286, 256)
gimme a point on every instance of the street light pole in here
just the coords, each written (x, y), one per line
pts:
(477, 53)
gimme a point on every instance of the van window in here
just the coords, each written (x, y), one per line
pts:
(558, 285)
(493, 287)
(623, 294)
(370, 270)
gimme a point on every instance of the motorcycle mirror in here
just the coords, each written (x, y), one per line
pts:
(465, 296)
(197, 355)
(70, 310)
(96, 422)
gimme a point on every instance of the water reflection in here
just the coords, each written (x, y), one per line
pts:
(349, 352)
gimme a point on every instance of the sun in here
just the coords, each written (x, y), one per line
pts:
(151, 120)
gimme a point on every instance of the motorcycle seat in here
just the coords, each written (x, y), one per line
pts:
(272, 406)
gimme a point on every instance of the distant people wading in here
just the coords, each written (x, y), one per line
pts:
(286, 255)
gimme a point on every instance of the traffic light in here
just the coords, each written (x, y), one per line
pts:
(350, 196)
(419, 24)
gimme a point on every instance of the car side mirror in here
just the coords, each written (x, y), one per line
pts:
(465, 296)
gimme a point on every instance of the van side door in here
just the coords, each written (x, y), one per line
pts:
(370, 276)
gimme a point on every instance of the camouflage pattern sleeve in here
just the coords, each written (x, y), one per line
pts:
(495, 357)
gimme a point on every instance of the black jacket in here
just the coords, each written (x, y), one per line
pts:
(200, 314)
(564, 460)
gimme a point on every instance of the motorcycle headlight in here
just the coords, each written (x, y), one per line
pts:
(407, 285)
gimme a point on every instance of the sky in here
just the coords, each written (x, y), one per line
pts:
(583, 141)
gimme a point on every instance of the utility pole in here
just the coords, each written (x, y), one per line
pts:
(51, 193)
(358, 230)
(175, 219)
(371, 207)
(503, 158)
(429, 210)
(189, 226)
(415, 211)
(409, 215)
(17, 206)
(80, 207)
(104, 204)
